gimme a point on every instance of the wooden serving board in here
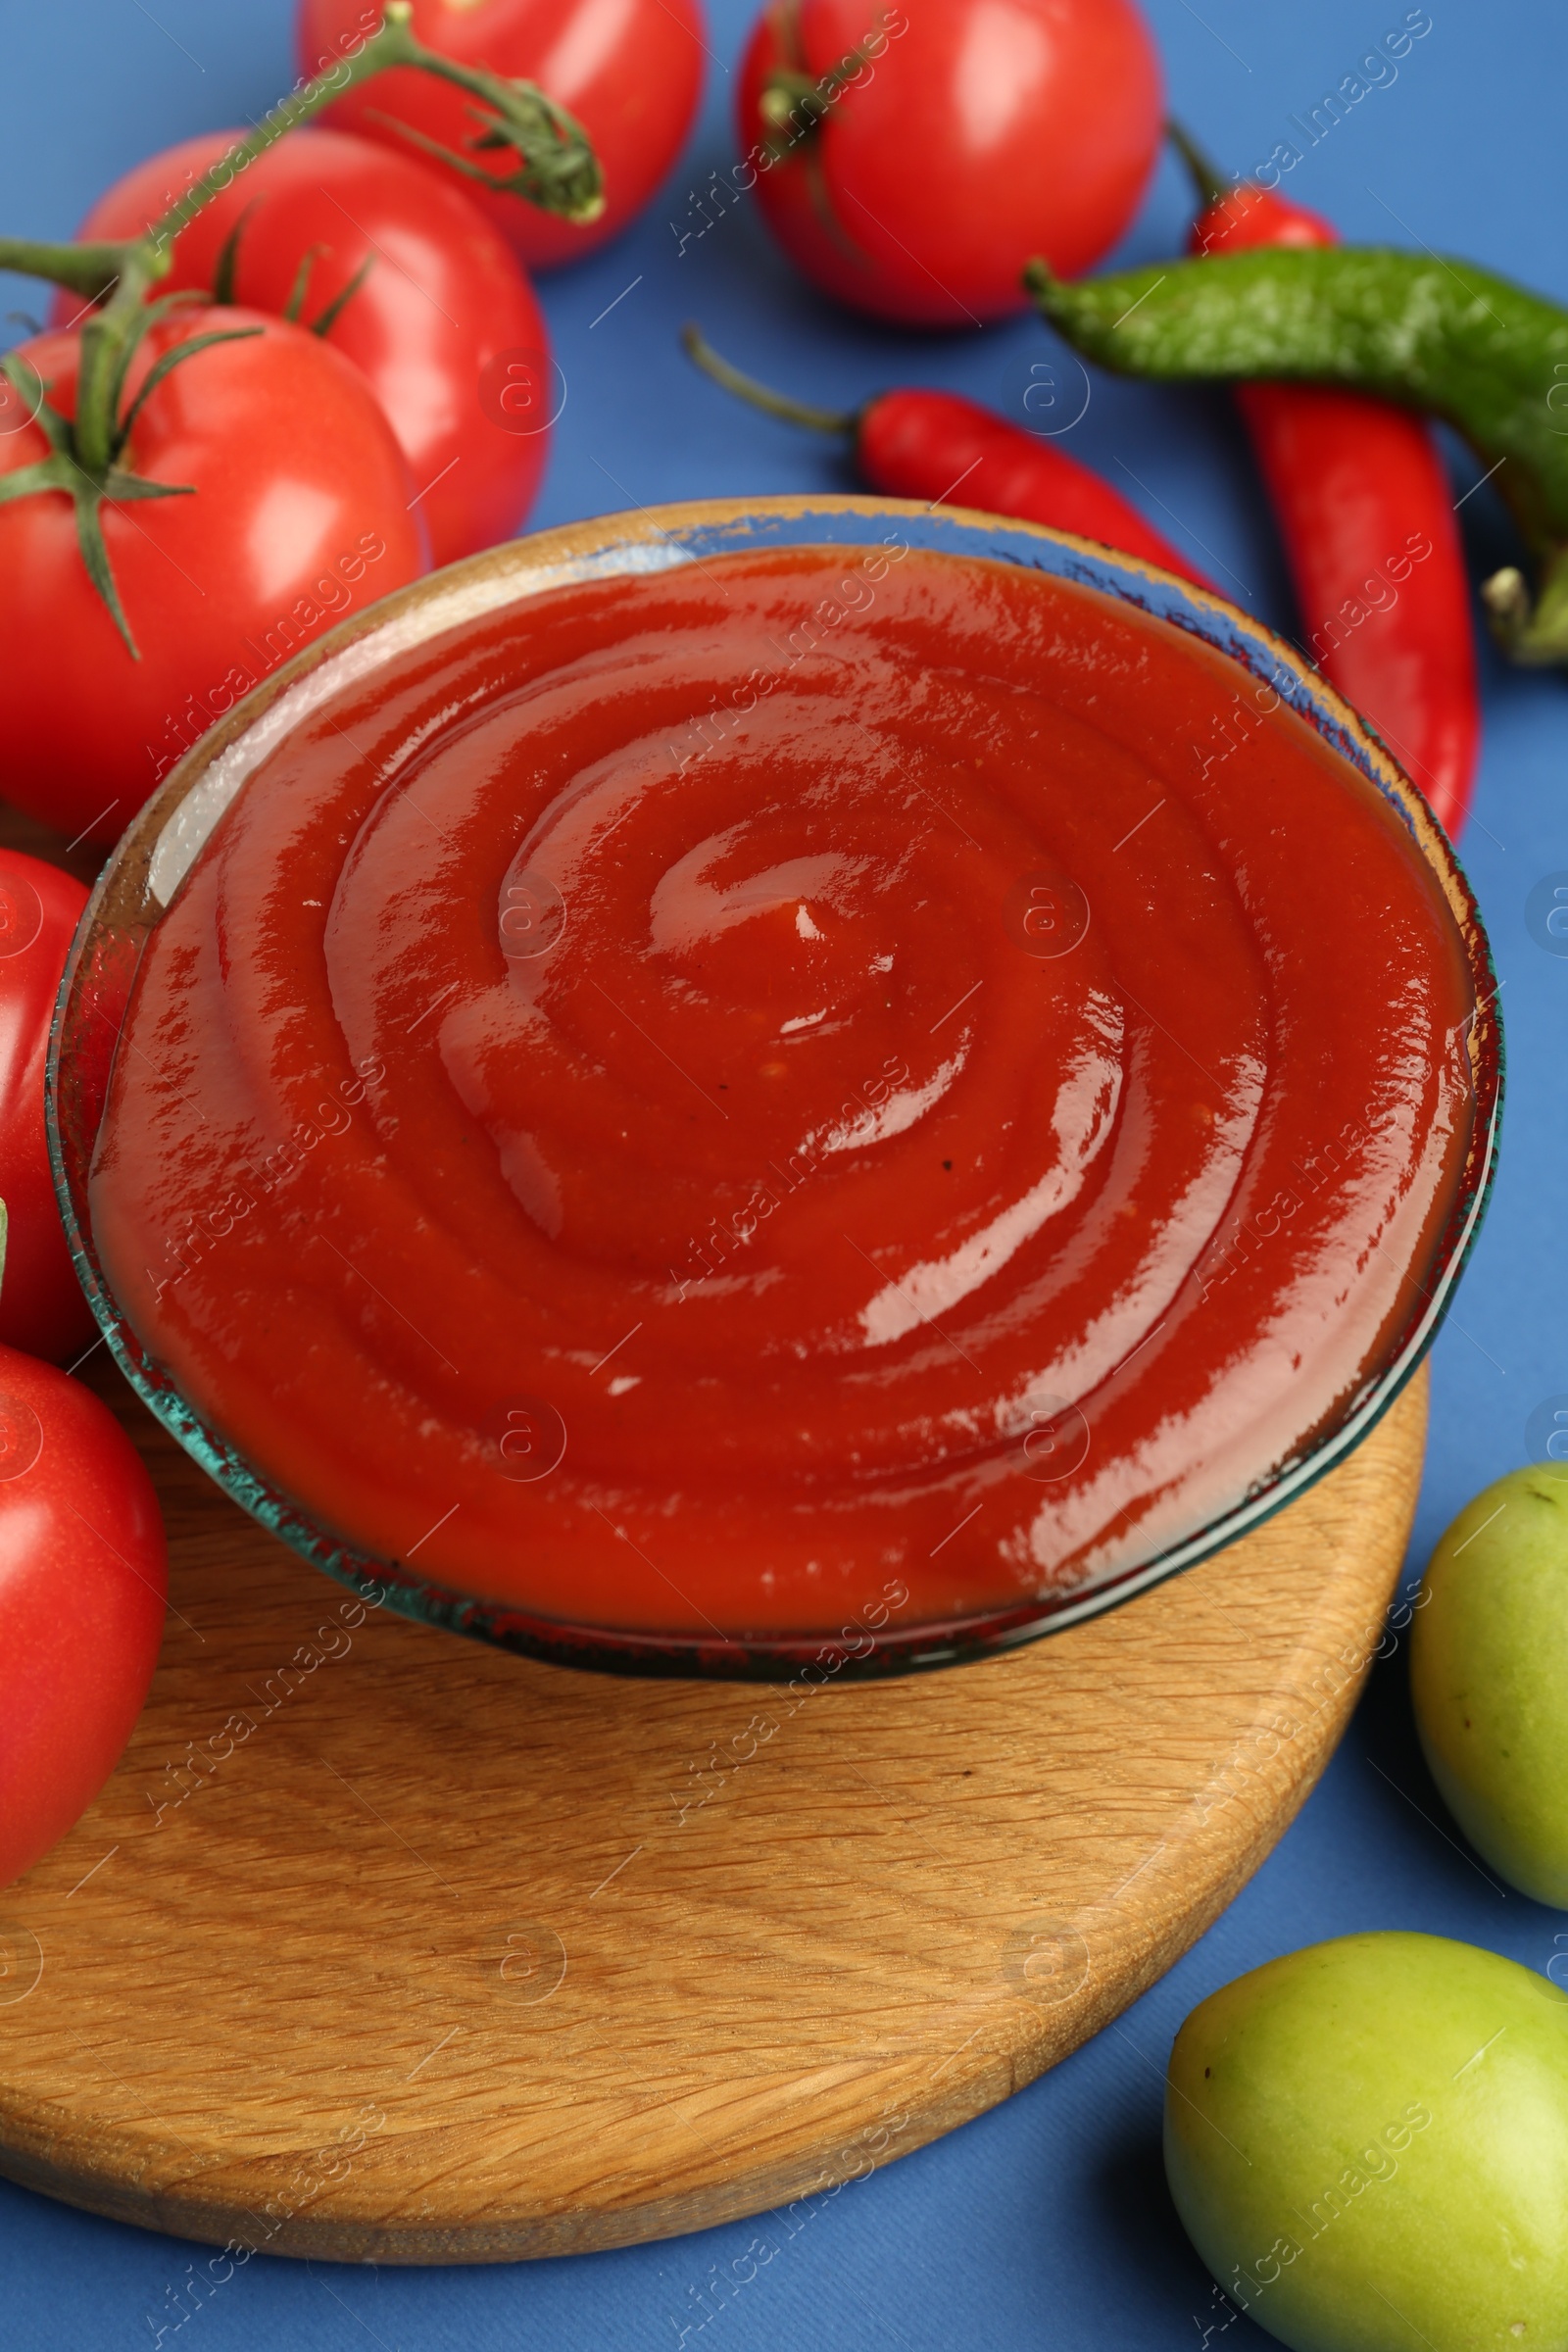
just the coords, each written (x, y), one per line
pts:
(454, 1957)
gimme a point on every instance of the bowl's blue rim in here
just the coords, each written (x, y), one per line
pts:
(667, 537)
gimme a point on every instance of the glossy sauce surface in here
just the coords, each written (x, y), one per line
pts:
(702, 1099)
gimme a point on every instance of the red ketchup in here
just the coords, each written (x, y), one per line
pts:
(710, 1101)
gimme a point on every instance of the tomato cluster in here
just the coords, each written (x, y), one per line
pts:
(365, 384)
(430, 298)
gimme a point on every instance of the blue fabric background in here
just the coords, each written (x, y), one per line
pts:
(1046, 2222)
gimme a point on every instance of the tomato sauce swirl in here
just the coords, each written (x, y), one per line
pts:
(702, 1097)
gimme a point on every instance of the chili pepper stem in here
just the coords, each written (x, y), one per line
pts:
(1201, 169)
(761, 396)
(1532, 631)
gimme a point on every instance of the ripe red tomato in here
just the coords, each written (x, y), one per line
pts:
(83, 1579)
(976, 134)
(631, 71)
(300, 515)
(443, 308)
(41, 1304)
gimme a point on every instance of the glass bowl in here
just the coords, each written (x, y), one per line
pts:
(156, 852)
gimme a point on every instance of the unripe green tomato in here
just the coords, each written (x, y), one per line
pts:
(1489, 1675)
(1367, 2142)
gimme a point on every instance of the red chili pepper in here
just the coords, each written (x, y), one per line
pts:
(1366, 513)
(947, 451)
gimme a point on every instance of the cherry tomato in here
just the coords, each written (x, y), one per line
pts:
(441, 311)
(41, 1304)
(83, 1579)
(631, 71)
(300, 515)
(964, 139)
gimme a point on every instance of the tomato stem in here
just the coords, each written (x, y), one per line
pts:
(793, 102)
(226, 267)
(761, 396)
(88, 269)
(556, 168)
(327, 318)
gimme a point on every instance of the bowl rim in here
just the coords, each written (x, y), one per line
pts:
(145, 868)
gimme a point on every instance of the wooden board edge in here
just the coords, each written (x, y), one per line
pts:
(1033, 2035)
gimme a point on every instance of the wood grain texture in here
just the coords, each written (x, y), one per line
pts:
(454, 1957)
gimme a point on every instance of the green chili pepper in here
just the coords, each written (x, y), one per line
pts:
(1443, 336)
